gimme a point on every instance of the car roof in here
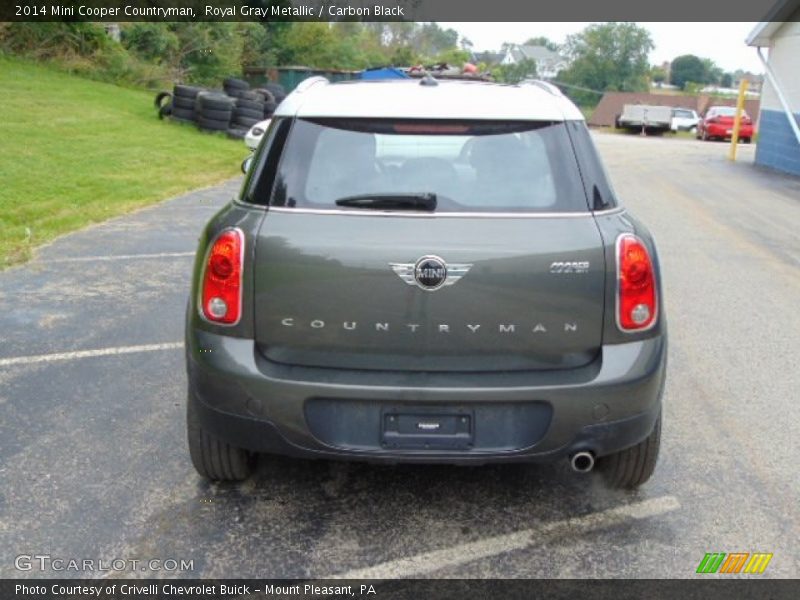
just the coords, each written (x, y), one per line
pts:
(428, 99)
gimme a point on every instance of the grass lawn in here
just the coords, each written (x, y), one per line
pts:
(75, 152)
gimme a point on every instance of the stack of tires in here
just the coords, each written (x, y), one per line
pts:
(235, 111)
(214, 111)
(277, 90)
(235, 87)
(269, 102)
(183, 103)
(248, 111)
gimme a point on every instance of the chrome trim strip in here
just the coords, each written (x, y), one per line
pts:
(434, 215)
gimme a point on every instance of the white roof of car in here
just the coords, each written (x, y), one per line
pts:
(411, 99)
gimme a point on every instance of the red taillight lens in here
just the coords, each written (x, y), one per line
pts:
(636, 295)
(222, 278)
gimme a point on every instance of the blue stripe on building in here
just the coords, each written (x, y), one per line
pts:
(778, 147)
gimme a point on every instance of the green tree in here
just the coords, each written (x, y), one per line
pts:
(608, 56)
(524, 69)
(726, 80)
(150, 41)
(454, 57)
(53, 40)
(254, 40)
(687, 68)
(430, 39)
(403, 56)
(542, 40)
(658, 74)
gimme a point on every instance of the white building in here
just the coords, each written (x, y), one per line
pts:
(548, 63)
(779, 122)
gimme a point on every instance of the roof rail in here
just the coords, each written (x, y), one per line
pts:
(545, 85)
(309, 83)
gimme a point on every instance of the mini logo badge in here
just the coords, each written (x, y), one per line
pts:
(430, 272)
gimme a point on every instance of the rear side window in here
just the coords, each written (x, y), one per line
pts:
(595, 178)
(258, 181)
(471, 166)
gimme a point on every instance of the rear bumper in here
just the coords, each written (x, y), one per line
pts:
(250, 402)
(725, 131)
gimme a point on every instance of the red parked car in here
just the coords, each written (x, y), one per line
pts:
(718, 124)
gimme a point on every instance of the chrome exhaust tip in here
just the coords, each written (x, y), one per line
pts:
(582, 462)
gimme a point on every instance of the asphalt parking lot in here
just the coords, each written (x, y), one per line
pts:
(93, 458)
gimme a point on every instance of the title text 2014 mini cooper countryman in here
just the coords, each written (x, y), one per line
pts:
(426, 272)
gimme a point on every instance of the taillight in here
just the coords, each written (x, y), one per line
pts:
(222, 278)
(636, 292)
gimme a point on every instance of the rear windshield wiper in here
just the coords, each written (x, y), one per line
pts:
(390, 201)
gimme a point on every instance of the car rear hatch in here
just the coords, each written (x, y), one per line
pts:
(507, 272)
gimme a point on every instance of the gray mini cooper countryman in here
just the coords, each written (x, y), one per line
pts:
(423, 271)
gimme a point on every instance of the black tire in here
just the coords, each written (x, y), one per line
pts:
(251, 96)
(265, 94)
(183, 102)
(249, 105)
(165, 111)
(633, 466)
(746, 140)
(244, 123)
(249, 113)
(236, 133)
(277, 91)
(234, 83)
(212, 458)
(212, 124)
(214, 101)
(215, 115)
(160, 97)
(186, 91)
(182, 114)
(275, 88)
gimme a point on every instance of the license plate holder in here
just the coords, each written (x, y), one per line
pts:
(427, 429)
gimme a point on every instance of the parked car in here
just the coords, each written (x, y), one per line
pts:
(684, 119)
(718, 124)
(255, 133)
(430, 272)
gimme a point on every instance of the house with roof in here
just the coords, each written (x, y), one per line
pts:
(488, 57)
(548, 62)
(779, 120)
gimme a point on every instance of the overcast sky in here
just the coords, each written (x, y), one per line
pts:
(721, 42)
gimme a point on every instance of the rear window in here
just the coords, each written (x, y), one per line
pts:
(471, 166)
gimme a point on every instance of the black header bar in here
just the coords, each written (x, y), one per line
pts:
(408, 10)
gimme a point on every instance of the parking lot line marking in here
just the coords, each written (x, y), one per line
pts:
(39, 358)
(430, 562)
(115, 257)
